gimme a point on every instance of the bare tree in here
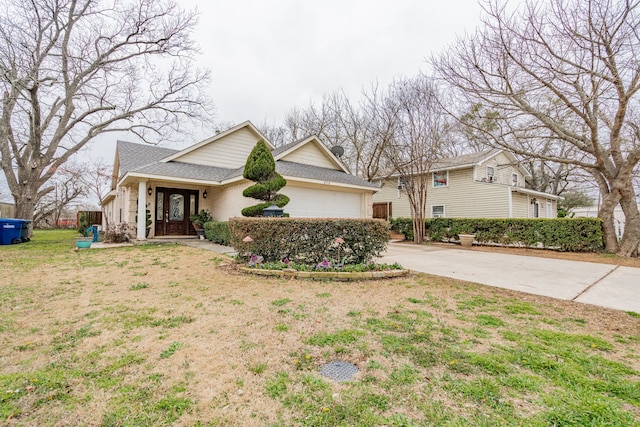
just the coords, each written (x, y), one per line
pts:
(561, 71)
(97, 182)
(420, 132)
(355, 127)
(74, 69)
(275, 134)
(68, 189)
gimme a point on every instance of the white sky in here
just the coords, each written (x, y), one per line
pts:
(267, 57)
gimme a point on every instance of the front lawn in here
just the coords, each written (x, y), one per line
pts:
(172, 335)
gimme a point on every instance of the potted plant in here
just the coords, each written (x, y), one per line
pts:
(198, 220)
(466, 235)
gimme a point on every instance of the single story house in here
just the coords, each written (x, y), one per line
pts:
(592, 212)
(486, 184)
(174, 184)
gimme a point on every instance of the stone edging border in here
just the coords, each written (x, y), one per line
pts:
(320, 275)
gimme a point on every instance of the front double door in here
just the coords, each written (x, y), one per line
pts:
(174, 206)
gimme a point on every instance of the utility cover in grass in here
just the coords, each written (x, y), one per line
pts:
(339, 371)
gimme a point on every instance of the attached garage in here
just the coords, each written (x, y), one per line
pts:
(312, 202)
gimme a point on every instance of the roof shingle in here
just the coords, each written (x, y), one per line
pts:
(146, 160)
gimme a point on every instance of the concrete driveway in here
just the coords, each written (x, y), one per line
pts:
(599, 284)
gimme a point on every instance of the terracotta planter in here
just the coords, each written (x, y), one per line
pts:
(466, 240)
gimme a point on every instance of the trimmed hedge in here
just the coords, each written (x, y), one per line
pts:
(217, 232)
(310, 240)
(561, 234)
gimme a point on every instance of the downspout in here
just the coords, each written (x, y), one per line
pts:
(510, 202)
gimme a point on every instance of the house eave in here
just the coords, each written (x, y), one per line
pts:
(323, 147)
(534, 193)
(134, 177)
(110, 196)
(331, 183)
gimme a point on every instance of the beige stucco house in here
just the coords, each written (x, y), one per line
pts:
(174, 184)
(487, 184)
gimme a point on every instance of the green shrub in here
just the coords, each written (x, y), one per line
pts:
(84, 224)
(562, 234)
(217, 232)
(310, 240)
(261, 169)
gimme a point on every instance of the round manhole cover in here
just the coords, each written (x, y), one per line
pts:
(339, 371)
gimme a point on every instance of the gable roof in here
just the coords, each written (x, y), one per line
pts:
(469, 160)
(217, 137)
(465, 160)
(281, 152)
(131, 156)
(150, 161)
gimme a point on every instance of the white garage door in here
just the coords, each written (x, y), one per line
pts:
(315, 203)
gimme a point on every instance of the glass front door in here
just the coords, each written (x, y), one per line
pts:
(173, 208)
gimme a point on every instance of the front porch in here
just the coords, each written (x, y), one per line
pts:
(169, 207)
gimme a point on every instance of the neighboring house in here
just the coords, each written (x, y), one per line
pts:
(592, 212)
(174, 184)
(7, 210)
(487, 184)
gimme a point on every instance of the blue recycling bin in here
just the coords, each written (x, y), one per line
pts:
(10, 231)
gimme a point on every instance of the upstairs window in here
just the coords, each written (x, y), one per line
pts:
(514, 179)
(440, 179)
(491, 172)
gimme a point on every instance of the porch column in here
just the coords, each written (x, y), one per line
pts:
(142, 208)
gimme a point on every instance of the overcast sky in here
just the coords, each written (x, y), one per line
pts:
(267, 57)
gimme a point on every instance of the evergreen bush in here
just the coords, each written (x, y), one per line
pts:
(261, 169)
(310, 240)
(217, 232)
(561, 234)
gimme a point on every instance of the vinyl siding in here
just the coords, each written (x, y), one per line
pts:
(228, 152)
(503, 168)
(311, 154)
(400, 206)
(465, 198)
(468, 194)
(520, 205)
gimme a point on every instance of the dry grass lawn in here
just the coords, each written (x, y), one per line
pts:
(170, 335)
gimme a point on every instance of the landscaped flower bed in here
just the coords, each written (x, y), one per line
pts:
(324, 270)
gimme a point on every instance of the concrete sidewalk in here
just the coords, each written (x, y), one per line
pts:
(599, 284)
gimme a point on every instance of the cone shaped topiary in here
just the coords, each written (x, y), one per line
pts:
(261, 169)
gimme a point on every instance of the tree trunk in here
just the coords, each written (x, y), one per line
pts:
(605, 213)
(418, 228)
(629, 245)
(26, 204)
